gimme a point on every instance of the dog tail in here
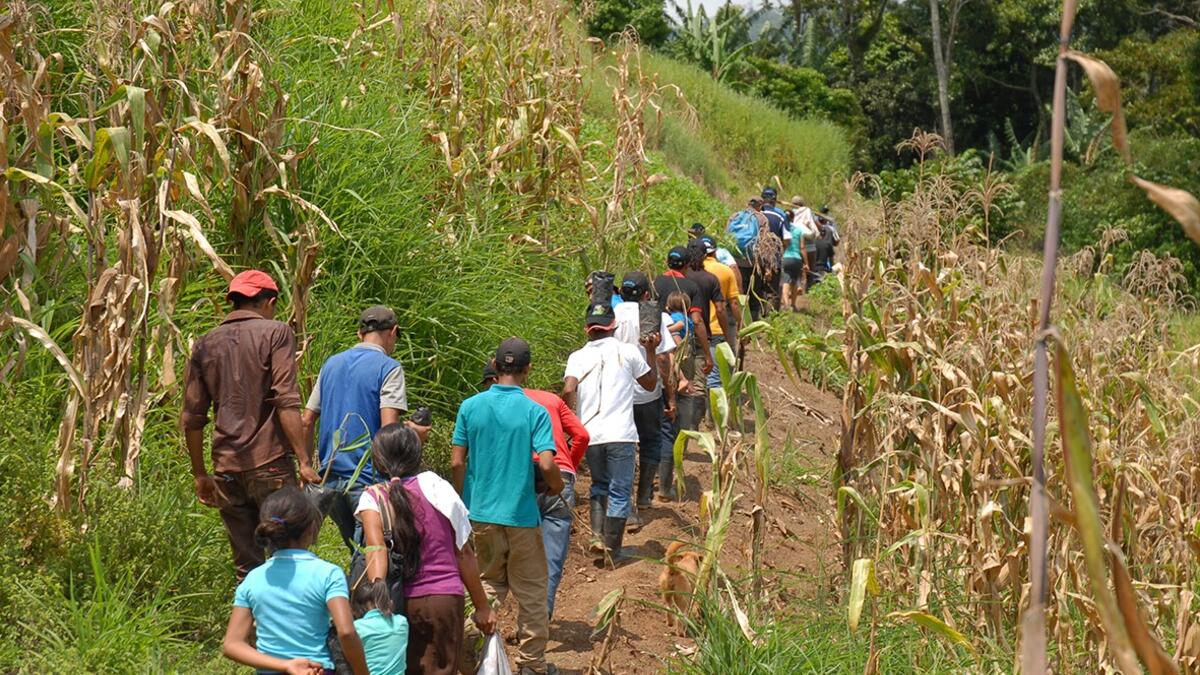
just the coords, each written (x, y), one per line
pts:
(673, 551)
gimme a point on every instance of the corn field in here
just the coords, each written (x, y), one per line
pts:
(932, 475)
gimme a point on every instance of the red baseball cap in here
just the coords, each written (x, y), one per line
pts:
(250, 283)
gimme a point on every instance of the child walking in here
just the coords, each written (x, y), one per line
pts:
(291, 598)
(384, 635)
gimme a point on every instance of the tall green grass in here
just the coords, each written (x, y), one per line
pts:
(741, 142)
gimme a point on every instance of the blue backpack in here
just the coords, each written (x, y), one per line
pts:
(743, 225)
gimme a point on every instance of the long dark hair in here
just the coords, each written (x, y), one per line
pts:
(396, 453)
(284, 518)
(370, 595)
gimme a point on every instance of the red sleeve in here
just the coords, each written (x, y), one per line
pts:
(575, 431)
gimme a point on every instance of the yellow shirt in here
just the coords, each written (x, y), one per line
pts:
(729, 288)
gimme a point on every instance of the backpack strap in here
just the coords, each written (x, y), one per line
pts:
(386, 516)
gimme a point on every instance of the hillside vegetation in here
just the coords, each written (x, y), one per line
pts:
(437, 158)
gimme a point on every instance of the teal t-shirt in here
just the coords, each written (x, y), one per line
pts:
(793, 248)
(385, 642)
(288, 596)
(501, 428)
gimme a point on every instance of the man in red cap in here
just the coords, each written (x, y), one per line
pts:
(244, 371)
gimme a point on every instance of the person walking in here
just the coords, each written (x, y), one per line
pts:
(796, 261)
(776, 223)
(649, 405)
(571, 441)
(357, 392)
(599, 384)
(746, 226)
(727, 283)
(494, 435)
(244, 371)
(430, 553)
(689, 394)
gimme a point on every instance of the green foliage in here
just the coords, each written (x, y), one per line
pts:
(1160, 80)
(804, 93)
(716, 44)
(611, 17)
(753, 139)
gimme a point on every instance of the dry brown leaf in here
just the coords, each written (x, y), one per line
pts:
(1182, 206)
(48, 342)
(1108, 96)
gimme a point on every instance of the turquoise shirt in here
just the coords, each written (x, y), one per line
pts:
(794, 244)
(385, 642)
(288, 596)
(501, 428)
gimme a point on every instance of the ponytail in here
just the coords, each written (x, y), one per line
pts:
(284, 518)
(406, 539)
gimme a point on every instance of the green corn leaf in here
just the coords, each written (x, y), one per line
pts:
(137, 114)
(726, 360)
(753, 329)
(1077, 452)
(939, 627)
(848, 493)
(719, 404)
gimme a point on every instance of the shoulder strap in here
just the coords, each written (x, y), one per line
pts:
(380, 491)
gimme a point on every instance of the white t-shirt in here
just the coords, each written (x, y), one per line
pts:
(441, 496)
(607, 370)
(629, 331)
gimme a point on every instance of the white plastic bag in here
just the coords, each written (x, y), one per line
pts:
(494, 661)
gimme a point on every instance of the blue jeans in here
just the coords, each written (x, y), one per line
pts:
(669, 432)
(557, 514)
(714, 378)
(342, 510)
(612, 466)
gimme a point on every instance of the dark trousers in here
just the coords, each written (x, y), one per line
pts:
(435, 633)
(239, 499)
(647, 417)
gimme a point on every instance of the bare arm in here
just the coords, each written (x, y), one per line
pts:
(664, 373)
(722, 317)
(293, 429)
(376, 550)
(570, 392)
(550, 472)
(458, 466)
(702, 340)
(468, 569)
(343, 622)
(237, 648)
(389, 416)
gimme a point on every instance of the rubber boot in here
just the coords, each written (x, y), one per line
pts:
(598, 508)
(614, 534)
(666, 481)
(645, 486)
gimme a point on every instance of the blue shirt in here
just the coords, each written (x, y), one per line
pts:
(385, 642)
(288, 596)
(349, 389)
(688, 324)
(501, 428)
(775, 220)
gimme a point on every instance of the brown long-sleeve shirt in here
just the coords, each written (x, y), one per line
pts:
(244, 370)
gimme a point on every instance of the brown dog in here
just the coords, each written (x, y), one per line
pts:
(677, 581)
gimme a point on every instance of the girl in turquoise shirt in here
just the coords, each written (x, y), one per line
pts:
(291, 597)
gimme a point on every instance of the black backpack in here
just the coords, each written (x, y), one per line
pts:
(396, 560)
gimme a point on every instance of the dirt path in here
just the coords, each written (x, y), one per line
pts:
(801, 541)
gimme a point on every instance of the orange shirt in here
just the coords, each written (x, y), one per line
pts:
(729, 288)
(565, 424)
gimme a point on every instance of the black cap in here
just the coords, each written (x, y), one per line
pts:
(696, 250)
(710, 244)
(489, 372)
(600, 316)
(696, 229)
(768, 192)
(677, 258)
(376, 318)
(824, 209)
(512, 354)
(634, 285)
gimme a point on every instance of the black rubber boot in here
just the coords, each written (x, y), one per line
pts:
(598, 506)
(614, 534)
(666, 481)
(635, 522)
(645, 486)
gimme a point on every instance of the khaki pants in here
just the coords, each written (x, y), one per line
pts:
(513, 558)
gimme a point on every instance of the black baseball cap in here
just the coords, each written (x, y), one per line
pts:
(825, 209)
(696, 250)
(513, 353)
(696, 229)
(489, 372)
(710, 244)
(677, 258)
(769, 192)
(600, 316)
(376, 318)
(634, 285)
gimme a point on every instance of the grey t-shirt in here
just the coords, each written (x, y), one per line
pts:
(392, 394)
